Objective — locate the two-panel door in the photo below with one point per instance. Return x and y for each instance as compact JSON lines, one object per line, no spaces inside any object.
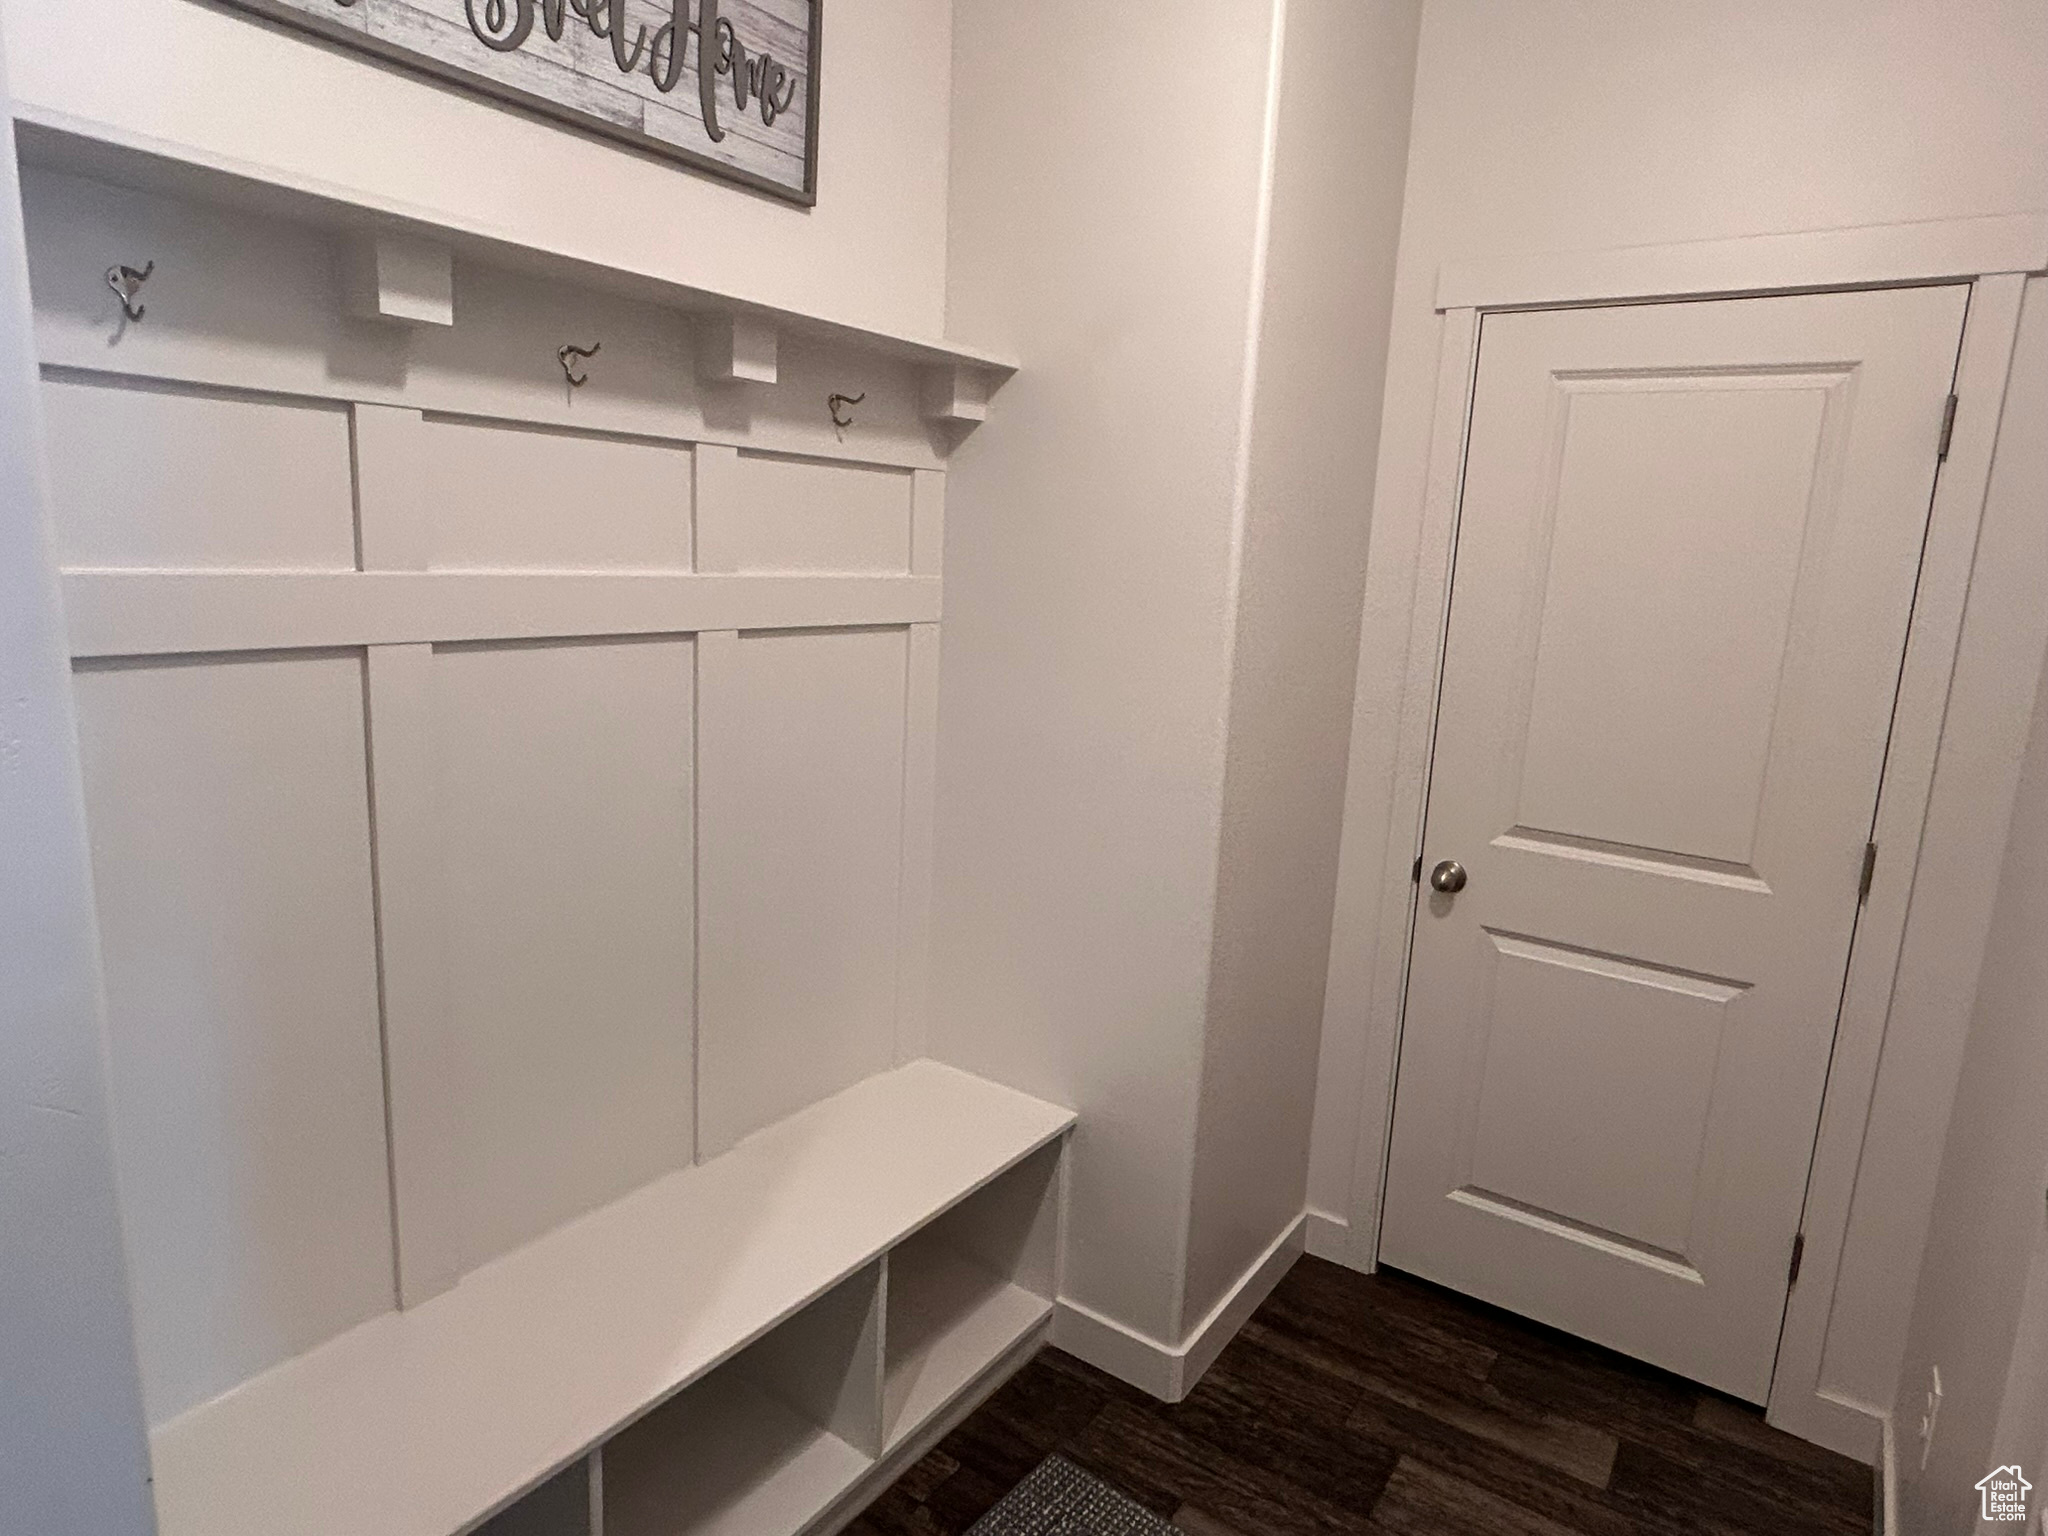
{"x":1688,"y":542}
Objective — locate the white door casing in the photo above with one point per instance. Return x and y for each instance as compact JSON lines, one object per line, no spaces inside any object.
{"x":1687,"y":549}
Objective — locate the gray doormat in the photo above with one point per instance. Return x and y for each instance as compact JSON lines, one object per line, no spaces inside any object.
{"x":1059,"y":1499}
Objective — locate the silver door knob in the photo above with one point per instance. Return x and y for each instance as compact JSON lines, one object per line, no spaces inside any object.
{"x":1448,"y":877}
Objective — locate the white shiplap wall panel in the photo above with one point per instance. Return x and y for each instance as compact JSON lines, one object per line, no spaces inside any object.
{"x":231,"y":857}
{"x":800,"y":827}
{"x":153,"y":477}
{"x":563,"y":774}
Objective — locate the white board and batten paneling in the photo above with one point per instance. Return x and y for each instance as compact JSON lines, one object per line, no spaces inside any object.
{"x":497,"y":496}
{"x":510,"y":811}
{"x":228,"y":809}
{"x":799,"y":868}
{"x":809,"y":515}
{"x":212,"y":463}
{"x":562,"y":793}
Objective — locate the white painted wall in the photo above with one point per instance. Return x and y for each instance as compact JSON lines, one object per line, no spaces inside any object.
{"x":1981,"y":1314}
{"x":1152,"y":570}
{"x":73,"y":1459}
{"x":1340,"y":158}
{"x":1577,"y":124}
{"x":1104,"y":222}
{"x":211,"y":83}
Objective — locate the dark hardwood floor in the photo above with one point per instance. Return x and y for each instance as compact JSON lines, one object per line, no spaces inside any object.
{"x":1379,"y":1404}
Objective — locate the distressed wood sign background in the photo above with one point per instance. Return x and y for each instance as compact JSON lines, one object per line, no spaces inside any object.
{"x":728,"y":86}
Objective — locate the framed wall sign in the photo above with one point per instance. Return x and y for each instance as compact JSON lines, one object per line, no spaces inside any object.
{"x":727,"y":86}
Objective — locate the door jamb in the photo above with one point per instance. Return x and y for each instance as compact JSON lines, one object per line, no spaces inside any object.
{"x":1974,"y":659}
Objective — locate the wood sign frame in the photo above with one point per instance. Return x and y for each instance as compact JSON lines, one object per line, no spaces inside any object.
{"x":633,"y":71}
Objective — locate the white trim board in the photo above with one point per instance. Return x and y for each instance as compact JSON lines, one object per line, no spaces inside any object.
{"x":1170,"y":1371}
{"x":1944,"y":811}
{"x":1974,"y":658}
{"x":167,"y":613}
{"x":1887,"y":1513}
{"x":1868,"y":256}
{"x":419,"y":1422}
{"x":1373,"y":913}
{"x":1329,"y":1237}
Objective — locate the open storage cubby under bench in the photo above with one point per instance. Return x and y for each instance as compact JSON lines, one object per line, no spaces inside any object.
{"x":966,"y":1290}
{"x":744,"y":1346}
{"x":767,"y":1441}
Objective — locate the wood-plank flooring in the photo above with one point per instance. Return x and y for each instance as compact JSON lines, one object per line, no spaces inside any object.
{"x":1380,"y":1404}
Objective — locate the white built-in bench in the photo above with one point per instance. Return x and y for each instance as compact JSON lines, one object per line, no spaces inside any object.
{"x":751,"y":1345}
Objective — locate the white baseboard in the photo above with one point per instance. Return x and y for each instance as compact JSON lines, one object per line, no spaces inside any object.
{"x":1887,"y":1521}
{"x":1206,"y":1340}
{"x":1329,"y":1237}
{"x":1109,"y":1346}
{"x":1842,"y":1424}
{"x":1169,"y":1372}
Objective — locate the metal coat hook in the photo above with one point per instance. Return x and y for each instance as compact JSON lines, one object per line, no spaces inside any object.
{"x":566,"y":356}
{"x":126,"y":283}
{"x":841,"y":408}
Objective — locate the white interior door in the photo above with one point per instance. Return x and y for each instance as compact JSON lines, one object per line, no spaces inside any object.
{"x":1686,"y":557}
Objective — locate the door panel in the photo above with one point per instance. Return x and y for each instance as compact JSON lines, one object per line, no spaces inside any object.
{"x":1688,"y":542}
{"x":1700,"y":594}
{"x":1621,"y":1057}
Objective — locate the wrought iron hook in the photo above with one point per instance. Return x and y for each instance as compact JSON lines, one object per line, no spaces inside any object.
{"x":840,"y":407}
{"x":566,"y":355}
{"x":126,"y":283}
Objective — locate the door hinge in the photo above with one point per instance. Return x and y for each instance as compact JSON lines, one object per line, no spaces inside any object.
{"x":1869,"y":873}
{"x":1948,"y":429}
{"x":1798,"y":1256}
{"x":1415,"y":874}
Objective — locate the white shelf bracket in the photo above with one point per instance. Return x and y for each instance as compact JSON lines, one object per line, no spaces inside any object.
{"x":734,"y":349}
{"x":400,"y":278}
{"x":955,"y":392}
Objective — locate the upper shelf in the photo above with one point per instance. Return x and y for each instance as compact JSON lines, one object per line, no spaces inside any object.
{"x":62,"y":142}
{"x":418,"y":1423}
